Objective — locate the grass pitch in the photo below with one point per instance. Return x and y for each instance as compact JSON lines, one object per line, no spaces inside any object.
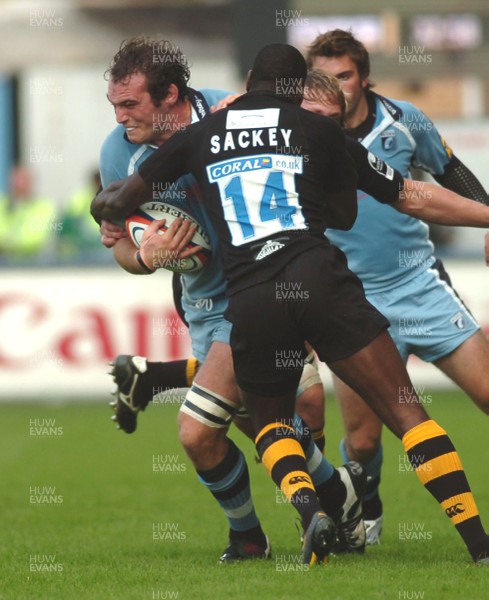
{"x":93,"y":513}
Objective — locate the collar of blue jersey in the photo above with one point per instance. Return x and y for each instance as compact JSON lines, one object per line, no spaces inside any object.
{"x":134,"y":144}
{"x":389,"y":113}
{"x":199,"y":104}
{"x":394,"y":110}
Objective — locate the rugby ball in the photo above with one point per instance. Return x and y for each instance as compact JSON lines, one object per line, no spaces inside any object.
{"x":155,"y":211}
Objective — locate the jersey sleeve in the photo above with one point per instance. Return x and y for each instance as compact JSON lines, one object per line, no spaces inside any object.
{"x":171,"y":160}
{"x":338,"y":179}
{"x":434,"y":155}
{"x":110,"y":161}
{"x":431,"y":152}
{"x":107,"y":172}
{"x":340,"y":161}
{"x":375,"y":176}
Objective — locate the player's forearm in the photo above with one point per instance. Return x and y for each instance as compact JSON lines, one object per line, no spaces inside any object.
{"x":125,"y":255}
{"x":120,"y":198}
{"x":460,"y":179}
{"x":441,"y":206}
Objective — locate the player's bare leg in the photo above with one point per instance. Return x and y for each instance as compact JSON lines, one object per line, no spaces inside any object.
{"x":205,"y":445}
{"x":310,"y":406}
{"x":468,"y":367}
{"x":378,"y":374}
{"x":363,"y":428}
{"x":310,"y":400}
{"x":204,"y":420}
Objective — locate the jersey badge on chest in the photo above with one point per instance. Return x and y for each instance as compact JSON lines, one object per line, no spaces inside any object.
{"x":388,"y":140}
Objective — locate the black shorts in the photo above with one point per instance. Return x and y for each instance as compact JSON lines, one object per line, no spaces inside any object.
{"x":314,"y":298}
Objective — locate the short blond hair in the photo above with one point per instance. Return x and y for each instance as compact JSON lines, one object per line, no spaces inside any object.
{"x":320,"y":86}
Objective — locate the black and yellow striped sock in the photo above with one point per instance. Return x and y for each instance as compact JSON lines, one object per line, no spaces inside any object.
{"x":440,"y":470}
{"x":191,"y":370}
{"x":285,"y":462}
{"x":164,"y":376}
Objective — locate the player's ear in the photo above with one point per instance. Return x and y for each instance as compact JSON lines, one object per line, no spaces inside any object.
{"x":171,"y":97}
{"x":248,"y":80}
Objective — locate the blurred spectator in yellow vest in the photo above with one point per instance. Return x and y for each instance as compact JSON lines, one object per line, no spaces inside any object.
{"x":81,"y":234}
{"x":28,"y":224}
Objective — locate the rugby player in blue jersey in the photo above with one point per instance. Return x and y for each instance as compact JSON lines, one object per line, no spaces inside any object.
{"x":148,"y":88}
{"x":394,"y":258}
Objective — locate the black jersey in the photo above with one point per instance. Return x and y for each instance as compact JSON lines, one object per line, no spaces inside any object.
{"x":273,"y":177}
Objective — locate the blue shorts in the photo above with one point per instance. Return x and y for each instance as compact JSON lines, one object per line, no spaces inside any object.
{"x":206,"y":323}
{"x":427,"y":317}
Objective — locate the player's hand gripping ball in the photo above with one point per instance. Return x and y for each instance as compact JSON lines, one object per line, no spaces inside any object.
{"x":137,"y":223}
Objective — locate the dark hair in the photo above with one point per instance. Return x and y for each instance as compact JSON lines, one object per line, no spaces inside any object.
{"x":339,"y":42}
{"x":282,"y":68}
{"x":159,"y":60}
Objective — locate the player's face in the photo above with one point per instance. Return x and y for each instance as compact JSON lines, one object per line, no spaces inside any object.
{"x":325,"y":105}
{"x":135,"y":110}
{"x":346,"y":71}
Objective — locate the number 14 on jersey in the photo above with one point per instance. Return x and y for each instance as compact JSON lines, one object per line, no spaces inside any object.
{"x":257,"y":200}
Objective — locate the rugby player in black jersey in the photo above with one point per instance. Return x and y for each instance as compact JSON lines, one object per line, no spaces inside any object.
{"x":274,"y":176}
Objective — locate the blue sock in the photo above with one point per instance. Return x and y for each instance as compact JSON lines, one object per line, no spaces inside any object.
{"x":320,"y":469}
{"x":344,"y":455}
{"x":229,"y":483}
{"x":330,"y":489}
{"x":372,"y":468}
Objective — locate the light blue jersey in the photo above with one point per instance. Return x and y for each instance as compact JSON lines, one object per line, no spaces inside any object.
{"x":391,"y":252}
{"x":386,"y":248}
{"x":204,"y":299}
